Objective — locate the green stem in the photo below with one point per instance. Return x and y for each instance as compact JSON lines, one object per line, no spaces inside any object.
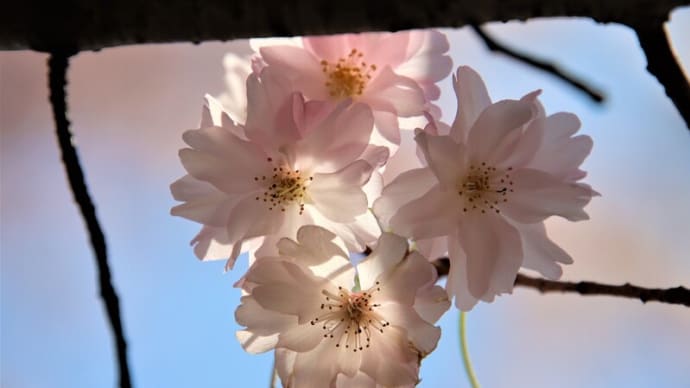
{"x":474,"y":383}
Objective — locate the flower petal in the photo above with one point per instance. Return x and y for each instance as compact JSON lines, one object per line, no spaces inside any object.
{"x":472,"y":98}
{"x":457,"y":284}
{"x":426,"y":63}
{"x":321,"y":251}
{"x":329,"y":47}
{"x":254,"y":343}
{"x":404,"y":188}
{"x":356,"y":235}
{"x":424,"y":335}
{"x":494,"y":124}
{"x":317,"y":368}
{"x":494,"y":253}
{"x":300,"y":65}
{"x":261,"y":321}
{"x":222,"y":159}
{"x":541,"y":254}
{"x":430,"y":215}
{"x":560,"y":153}
{"x":271,"y":101}
{"x":300,"y":338}
{"x":393,"y":93}
{"x":287,"y":288}
{"x":390,"y":361}
{"x":389,"y":252}
{"x":432,"y":248}
{"x":445,"y":157}
{"x":538,"y":195}
{"x":401,"y":283}
{"x":431,"y":303}
{"x":338,"y":140}
{"x":339,"y":195}
{"x":252,"y":218}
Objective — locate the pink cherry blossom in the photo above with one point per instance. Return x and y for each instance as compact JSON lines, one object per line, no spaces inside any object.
{"x":394,"y":73}
{"x":490,"y":183}
{"x":289,"y":165}
{"x":234,"y":97}
{"x":325,"y":328}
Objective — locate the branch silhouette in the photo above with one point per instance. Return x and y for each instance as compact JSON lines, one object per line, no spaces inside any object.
{"x":663,"y":64}
{"x":676,"y":295}
{"x":540,"y":64}
{"x":58,"y":64}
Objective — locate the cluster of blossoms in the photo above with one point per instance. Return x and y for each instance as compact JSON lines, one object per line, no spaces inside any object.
{"x":309,"y":164}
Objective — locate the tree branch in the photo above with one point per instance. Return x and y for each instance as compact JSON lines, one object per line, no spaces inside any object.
{"x":548,"y":67}
{"x":662,"y":64}
{"x":58,"y":64}
{"x":676,"y":295}
{"x":89,"y":25}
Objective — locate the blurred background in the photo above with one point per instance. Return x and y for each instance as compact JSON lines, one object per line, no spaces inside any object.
{"x":129,"y":106}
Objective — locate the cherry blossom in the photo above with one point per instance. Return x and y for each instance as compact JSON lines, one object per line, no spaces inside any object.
{"x":394,"y":73}
{"x":234,"y":97}
{"x":326,"y":328}
{"x":287,"y":166}
{"x":502,"y":169}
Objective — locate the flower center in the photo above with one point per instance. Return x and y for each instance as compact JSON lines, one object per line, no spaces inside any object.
{"x":284,"y":188}
{"x":350,"y":317}
{"x":348,"y":76}
{"x":484,"y":188}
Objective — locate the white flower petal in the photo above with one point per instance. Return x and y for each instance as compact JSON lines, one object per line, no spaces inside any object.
{"x":321,"y":251}
{"x":300,"y":338}
{"x":423,"y":334}
{"x":252,"y":218}
{"x":472,"y":98}
{"x":389,"y":252}
{"x":295,"y":293}
{"x":457,"y":284}
{"x":390,"y":361}
{"x":430,"y":215}
{"x":538,"y":195}
{"x":339,"y":195}
{"x":446,"y":158}
{"x":432,"y":248}
{"x":259,"y":320}
{"x":494,"y":253}
{"x":254,"y":343}
{"x":494,"y":124}
{"x":431,"y":303}
{"x":541,"y":254}
{"x":407,"y":186}
{"x":401,"y":283}
{"x":325,"y":146}
{"x":317,"y":368}
{"x":392,"y":93}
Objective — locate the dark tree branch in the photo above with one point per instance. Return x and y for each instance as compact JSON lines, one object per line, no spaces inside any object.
{"x":58,"y":64}
{"x":677,"y":295}
{"x":92,"y":25}
{"x":548,"y":67}
{"x":663,"y":64}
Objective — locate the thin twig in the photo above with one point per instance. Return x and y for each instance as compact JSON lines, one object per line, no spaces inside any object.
{"x":663,"y":64}
{"x":58,"y":64}
{"x":550,"y":68}
{"x":676,"y":295}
